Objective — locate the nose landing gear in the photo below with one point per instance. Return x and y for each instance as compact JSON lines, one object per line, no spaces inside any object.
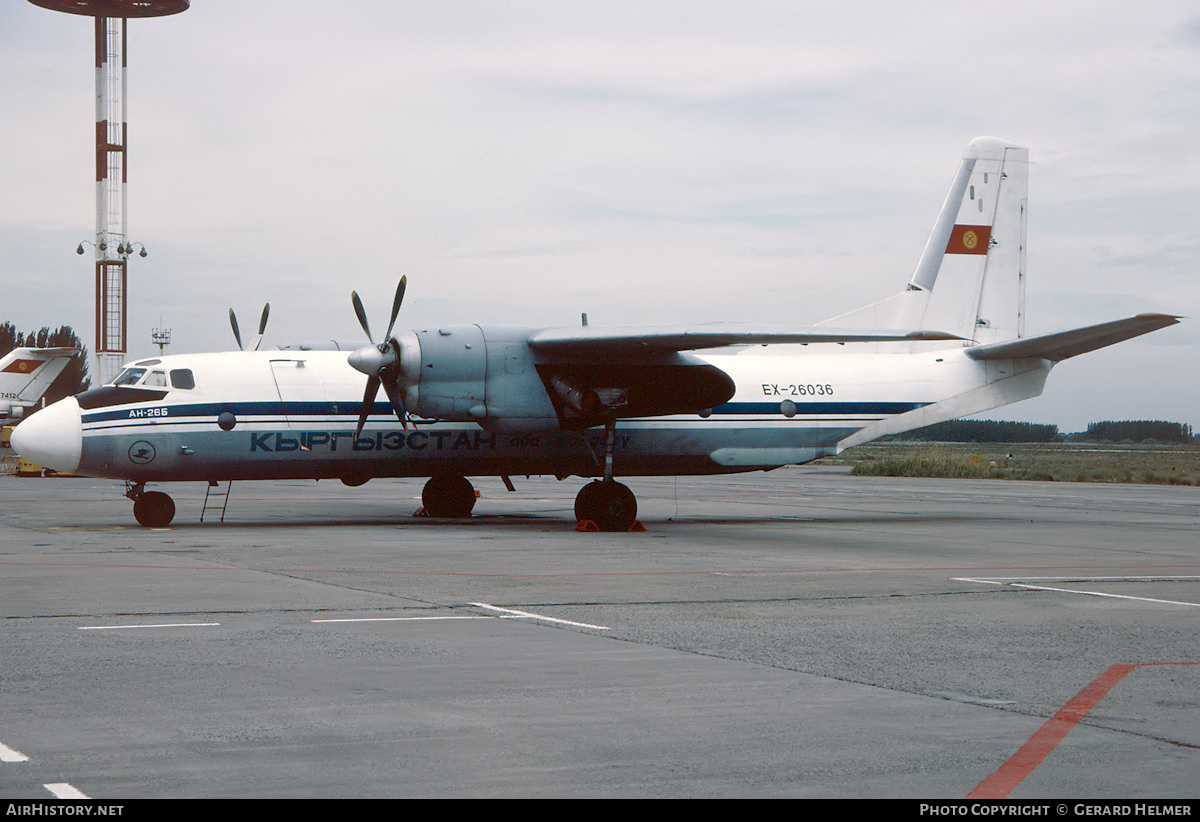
{"x":152,"y":509}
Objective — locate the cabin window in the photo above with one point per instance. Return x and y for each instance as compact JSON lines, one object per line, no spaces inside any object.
{"x":129,"y":376}
{"x":182,"y":378}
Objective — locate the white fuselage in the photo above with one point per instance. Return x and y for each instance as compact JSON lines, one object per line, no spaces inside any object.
{"x":281,"y":414}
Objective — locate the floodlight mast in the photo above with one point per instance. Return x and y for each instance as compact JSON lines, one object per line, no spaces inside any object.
{"x":112,"y":242}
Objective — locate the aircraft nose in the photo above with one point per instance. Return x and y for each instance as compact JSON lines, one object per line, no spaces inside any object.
{"x":52,"y":437}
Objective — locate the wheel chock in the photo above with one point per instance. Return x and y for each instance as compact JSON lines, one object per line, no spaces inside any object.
{"x":421,"y":512}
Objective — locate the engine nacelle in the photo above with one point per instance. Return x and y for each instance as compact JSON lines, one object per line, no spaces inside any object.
{"x":468,"y":373}
{"x":444,"y":372}
{"x":491,"y":376}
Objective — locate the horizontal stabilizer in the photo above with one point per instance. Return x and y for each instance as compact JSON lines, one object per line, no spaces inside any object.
{"x":595,"y":340}
{"x":41,"y":353}
{"x":1064,"y":344}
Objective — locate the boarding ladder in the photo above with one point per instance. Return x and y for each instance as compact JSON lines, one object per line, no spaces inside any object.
{"x":215,"y":499}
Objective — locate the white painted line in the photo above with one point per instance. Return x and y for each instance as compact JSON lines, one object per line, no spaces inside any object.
{"x":402,"y":619}
{"x":1008,"y":581}
{"x":7,"y":754}
{"x":1100,"y":594}
{"x":63,"y":790}
{"x":526,"y":615}
{"x":1155,"y":578}
{"x":163,"y":625}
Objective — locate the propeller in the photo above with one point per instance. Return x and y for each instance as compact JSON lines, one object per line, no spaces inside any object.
{"x":262,"y":326}
{"x":381,"y":363}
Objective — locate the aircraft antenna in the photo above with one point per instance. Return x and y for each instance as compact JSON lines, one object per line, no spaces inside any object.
{"x":112,"y":245}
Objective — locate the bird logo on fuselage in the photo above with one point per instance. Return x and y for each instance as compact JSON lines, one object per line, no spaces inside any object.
{"x":141,"y":453}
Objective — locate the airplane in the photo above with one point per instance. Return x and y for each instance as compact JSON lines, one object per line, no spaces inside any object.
{"x":25,"y":376}
{"x":587,"y":401}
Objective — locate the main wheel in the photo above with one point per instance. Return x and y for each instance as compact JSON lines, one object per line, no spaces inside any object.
{"x":587,"y":501}
{"x":154,"y":509}
{"x":448,"y":497}
{"x":611,"y":505}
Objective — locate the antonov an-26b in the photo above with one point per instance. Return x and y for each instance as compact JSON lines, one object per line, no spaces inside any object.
{"x":478,"y":400}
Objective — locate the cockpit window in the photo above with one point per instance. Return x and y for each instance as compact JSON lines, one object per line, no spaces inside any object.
{"x":182,"y":378}
{"x":157,"y":379}
{"x":129,"y":376}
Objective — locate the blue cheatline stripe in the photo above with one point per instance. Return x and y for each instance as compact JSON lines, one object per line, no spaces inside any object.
{"x":239,"y":409}
{"x":179,"y":413}
{"x":856,"y":408}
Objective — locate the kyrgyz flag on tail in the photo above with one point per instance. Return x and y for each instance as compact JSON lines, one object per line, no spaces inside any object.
{"x":22,"y":366}
{"x":969,"y":239}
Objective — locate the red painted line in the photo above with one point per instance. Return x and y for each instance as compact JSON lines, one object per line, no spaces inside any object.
{"x":1035,"y":750}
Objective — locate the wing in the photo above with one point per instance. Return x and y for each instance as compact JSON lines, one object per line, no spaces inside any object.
{"x":593,"y":374}
{"x":600,"y":341}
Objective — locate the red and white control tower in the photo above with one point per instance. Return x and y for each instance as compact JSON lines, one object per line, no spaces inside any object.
{"x":113,"y":246}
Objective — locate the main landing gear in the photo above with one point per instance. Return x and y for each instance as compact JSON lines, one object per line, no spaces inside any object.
{"x":607,"y":503}
{"x":152,"y":509}
{"x":610,"y":505}
{"x":448,"y":496}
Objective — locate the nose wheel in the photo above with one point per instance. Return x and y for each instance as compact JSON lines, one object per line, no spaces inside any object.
{"x":153,"y":509}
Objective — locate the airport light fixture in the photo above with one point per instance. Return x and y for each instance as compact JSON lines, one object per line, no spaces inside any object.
{"x":123,"y":249}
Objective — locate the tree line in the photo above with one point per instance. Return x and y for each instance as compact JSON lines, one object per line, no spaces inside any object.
{"x":74,"y":377}
{"x":982,"y":431}
{"x":1015,"y":432}
{"x":1138,"y":431}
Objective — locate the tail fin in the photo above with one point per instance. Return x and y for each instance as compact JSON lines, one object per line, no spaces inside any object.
{"x":970,"y":280}
{"x":26,"y":373}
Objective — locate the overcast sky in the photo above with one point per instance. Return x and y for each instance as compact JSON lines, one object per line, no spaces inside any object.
{"x":675,"y":162}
